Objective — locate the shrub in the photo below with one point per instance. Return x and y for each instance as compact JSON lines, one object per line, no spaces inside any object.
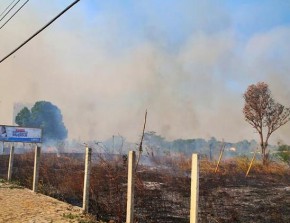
{"x":283,"y":154}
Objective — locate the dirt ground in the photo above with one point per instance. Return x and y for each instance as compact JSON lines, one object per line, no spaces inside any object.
{"x":20,"y":205}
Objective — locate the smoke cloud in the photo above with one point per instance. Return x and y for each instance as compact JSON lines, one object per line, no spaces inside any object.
{"x":104,"y":64}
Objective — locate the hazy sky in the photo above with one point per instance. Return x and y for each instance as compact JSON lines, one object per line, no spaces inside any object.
{"x":188,"y":62}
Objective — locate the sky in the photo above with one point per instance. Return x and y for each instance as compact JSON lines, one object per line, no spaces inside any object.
{"x":188,"y":62}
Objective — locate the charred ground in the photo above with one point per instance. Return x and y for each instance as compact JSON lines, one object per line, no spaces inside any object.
{"x":163,"y":189}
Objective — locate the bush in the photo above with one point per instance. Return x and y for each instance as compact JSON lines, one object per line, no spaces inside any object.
{"x":283,"y":154}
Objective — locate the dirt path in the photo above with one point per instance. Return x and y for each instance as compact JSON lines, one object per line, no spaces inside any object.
{"x":22,"y":205}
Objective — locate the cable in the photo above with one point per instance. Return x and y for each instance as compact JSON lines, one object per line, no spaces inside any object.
{"x":14,"y":14}
{"x":9,"y":10}
{"x":39,"y":31}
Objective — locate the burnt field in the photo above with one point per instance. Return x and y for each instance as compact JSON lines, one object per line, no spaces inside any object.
{"x":162,"y":192}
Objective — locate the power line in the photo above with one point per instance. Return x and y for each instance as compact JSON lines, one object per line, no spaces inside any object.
{"x":39,"y":31}
{"x":14,"y":13}
{"x":9,"y":10}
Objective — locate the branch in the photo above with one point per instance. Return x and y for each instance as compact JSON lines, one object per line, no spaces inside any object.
{"x":141,"y":142}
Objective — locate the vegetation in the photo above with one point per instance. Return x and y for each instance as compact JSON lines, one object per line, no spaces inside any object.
{"x":264,"y":114}
{"x":79,"y":218}
{"x":284,"y":154}
{"x":157,"y":145}
{"x":44,"y":115}
{"x":162,"y":189}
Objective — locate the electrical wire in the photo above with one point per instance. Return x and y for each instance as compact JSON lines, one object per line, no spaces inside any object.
{"x":14,"y":13}
{"x":9,"y":10}
{"x":39,"y":31}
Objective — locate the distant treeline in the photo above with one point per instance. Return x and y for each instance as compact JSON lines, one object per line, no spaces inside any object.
{"x":157,"y":145}
{"x":153,"y":145}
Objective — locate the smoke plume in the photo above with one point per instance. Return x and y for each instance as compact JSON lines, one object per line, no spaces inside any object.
{"x":103,"y":65}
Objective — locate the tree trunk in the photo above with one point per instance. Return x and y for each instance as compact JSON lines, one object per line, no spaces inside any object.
{"x":210,"y":152}
{"x":264,"y":146}
{"x":265,"y":156}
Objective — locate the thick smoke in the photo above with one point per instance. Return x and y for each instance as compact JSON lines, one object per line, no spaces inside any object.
{"x":103,"y":69}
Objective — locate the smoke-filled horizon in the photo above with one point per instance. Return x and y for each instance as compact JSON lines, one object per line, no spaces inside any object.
{"x":187,"y":62}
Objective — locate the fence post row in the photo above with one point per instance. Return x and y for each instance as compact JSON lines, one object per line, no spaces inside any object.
{"x":87,"y":179}
{"x":130,"y":190}
{"x":131,"y":182}
{"x":194,"y":189}
{"x":10,"y":167}
{"x":36,"y":168}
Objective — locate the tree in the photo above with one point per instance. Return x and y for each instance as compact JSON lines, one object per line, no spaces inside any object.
{"x":212,"y":143}
{"x":44,"y":115}
{"x":263,"y":113}
{"x":154,"y":143}
{"x":23,"y":118}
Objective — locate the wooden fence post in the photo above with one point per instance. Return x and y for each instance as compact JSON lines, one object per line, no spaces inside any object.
{"x":87,"y":180}
{"x":252,"y":161}
{"x":194,"y":189}
{"x":36,"y":168}
{"x":130,"y":189}
{"x":11,"y":159}
{"x":220,"y":158}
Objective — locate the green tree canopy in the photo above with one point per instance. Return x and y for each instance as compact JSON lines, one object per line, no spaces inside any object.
{"x":23,"y":118}
{"x":44,"y":115}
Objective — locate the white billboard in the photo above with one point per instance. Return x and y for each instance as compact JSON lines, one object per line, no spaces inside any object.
{"x":20,"y":134}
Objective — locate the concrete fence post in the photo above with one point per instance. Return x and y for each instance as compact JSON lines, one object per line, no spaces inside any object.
{"x":87,"y":180}
{"x":11,"y":159}
{"x":130,"y":190}
{"x":194,"y":189}
{"x":2,"y":150}
{"x":36,"y":168}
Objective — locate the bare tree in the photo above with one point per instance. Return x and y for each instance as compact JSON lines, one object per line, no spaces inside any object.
{"x":263,"y":113}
